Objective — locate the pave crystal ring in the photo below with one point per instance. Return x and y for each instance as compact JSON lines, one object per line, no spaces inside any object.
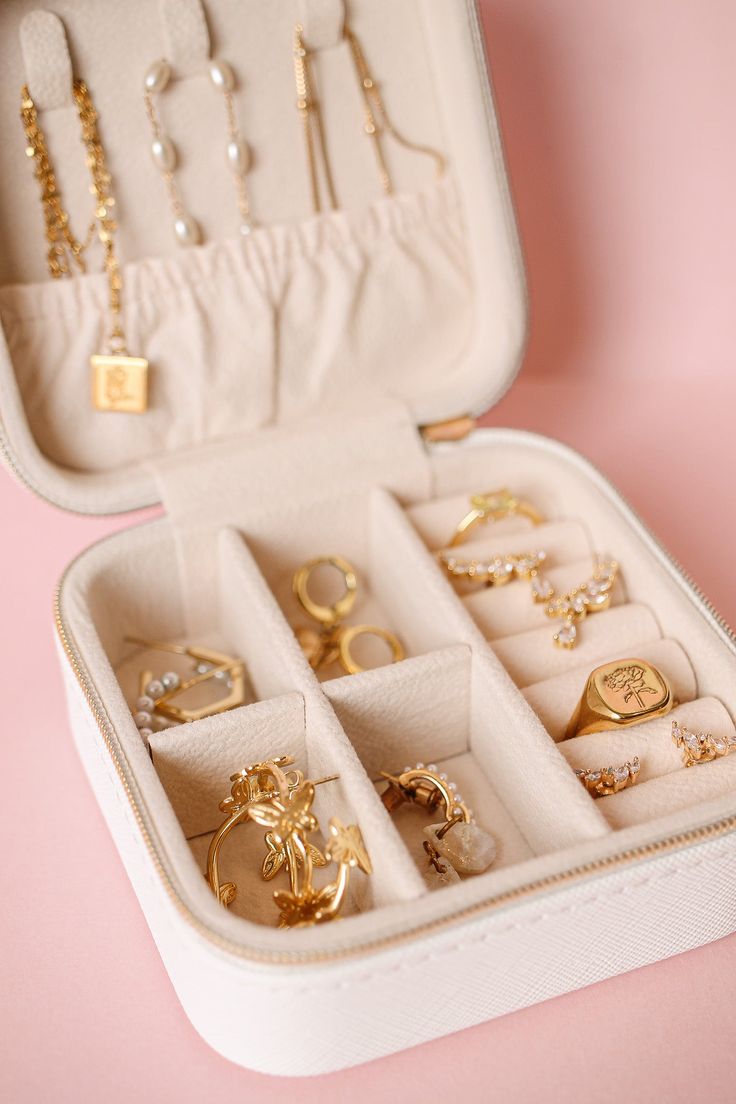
{"x":457,"y":845}
{"x":701,"y":747}
{"x":618,"y":694}
{"x":498,"y":570}
{"x":609,"y":780}
{"x":492,"y":507}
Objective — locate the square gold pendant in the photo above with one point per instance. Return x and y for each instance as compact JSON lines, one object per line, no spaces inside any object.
{"x":119,"y":383}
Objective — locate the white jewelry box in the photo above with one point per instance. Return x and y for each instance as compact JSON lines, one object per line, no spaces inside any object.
{"x":349,"y":330}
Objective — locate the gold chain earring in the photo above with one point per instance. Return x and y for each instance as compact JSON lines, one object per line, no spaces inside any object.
{"x":164,"y":153}
{"x":376,"y":122}
{"x":119,"y":381}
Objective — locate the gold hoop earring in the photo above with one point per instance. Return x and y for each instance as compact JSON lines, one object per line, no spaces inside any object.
{"x":282,"y":802}
{"x":332,"y":641}
{"x":158,"y":696}
{"x":455,"y":846}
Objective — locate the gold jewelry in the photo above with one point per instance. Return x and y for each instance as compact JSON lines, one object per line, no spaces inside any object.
{"x":281,"y":802}
{"x":592,"y":596}
{"x":164,"y":153}
{"x":619,"y":694}
{"x":119,"y":381}
{"x":609,"y":780}
{"x":159,"y":695}
{"x":492,"y":507}
{"x":701,"y":747}
{"x":333,"y":642}
{"x":64,"y":249}
{"x":466,"y":848}
{"x":376,"y":123}
{"x":499,"y":570}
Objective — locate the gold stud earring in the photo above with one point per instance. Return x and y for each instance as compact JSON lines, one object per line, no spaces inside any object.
{"x":160,"y":697}
{"x":456,"y":845}
{"x":332,"y":641}
{"x":701,"y":747}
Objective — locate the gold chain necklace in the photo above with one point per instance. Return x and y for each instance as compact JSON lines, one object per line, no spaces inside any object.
{"x":376,"y":122}
{"x":119,"y":381}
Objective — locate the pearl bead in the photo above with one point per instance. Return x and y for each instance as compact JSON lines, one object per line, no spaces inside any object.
{"x":142,"y":719}
{"x":202,"y":668}
{"x":163,"y":154}
{"x":238,"y":156}
{"x":222,"y":75}
{"x":146,"y":732}
{"x":157,"y":76}
{"x":186,"y":230}
{"x":155,"y":689}
{"x":146,"y":703}
{"x":170,"y":680}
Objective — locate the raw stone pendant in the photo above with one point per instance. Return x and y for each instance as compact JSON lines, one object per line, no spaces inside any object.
{"x":470,"y":849}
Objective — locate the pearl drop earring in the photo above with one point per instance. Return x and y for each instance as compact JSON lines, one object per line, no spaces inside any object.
{"x":163,"y":151}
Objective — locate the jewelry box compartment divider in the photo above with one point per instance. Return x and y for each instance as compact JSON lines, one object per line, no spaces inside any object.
{"x":194,"y":761}
{"x":649,"y":618}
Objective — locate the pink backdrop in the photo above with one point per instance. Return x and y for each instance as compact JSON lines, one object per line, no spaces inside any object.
{"x":619,"y":128}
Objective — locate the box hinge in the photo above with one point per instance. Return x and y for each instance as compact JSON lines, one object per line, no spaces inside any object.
{"x":454,"y":429}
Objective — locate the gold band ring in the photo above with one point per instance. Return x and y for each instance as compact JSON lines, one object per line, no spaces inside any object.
{"x":492,"y":507}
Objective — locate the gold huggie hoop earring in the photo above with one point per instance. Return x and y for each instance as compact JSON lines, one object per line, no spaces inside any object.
{"x":376,"y":122}
{"x":266,"y":794}
{"x":158,"y":695}
{"x":164,"y":154}
{"x":455,"y":846}
{"x":332,"y":642}
{"x":119,"y":380}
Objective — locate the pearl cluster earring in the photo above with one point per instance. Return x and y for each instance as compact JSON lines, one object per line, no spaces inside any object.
{"x":163,"y":151}
{"x":161,"y":698}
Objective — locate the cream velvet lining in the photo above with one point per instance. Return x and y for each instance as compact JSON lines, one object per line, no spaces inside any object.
{"x":490,"y":710}
{"x":419,"y":295}
{"x":249,"y":331}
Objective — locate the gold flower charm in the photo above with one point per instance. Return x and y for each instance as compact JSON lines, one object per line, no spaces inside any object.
{"x":287,"y":818}
{"x":282,"y":804}
{"x":312,"y":906}
{"x":345,"y":846}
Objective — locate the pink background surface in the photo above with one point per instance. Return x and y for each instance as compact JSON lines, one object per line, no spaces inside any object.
{"x":619,"y":132}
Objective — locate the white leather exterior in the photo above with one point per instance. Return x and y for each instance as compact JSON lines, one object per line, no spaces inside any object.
{"x":353,"y":1010}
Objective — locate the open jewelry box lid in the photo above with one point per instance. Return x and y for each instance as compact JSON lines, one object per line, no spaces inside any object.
{"x":416,"y":298}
